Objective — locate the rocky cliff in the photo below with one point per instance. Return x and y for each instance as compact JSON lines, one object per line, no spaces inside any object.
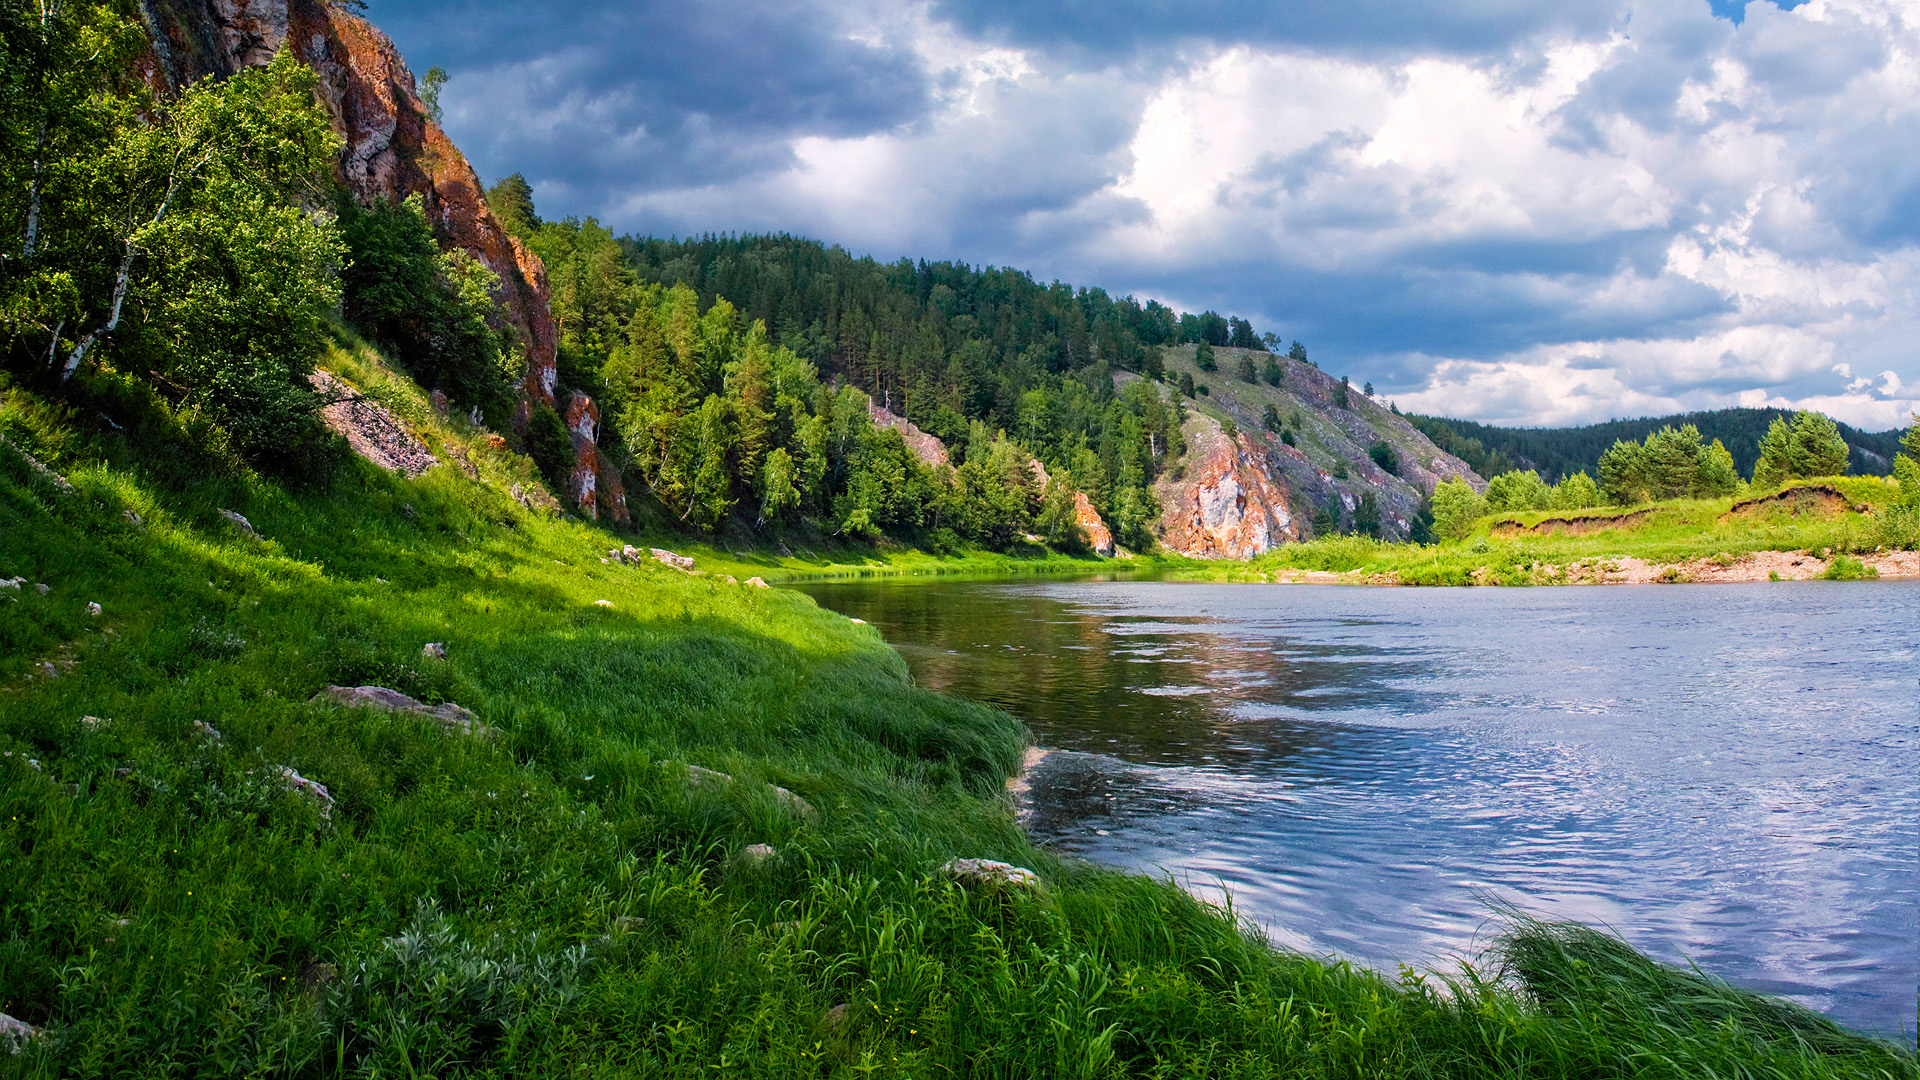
{"x":1224,"y":504}
{"x":391,"y":149}
{"x":1319,"y":457}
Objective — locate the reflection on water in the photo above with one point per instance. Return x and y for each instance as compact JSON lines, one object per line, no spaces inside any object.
{"x":1717,"y":772}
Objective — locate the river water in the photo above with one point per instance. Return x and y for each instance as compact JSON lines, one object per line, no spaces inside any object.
{"x":1721,"y":773}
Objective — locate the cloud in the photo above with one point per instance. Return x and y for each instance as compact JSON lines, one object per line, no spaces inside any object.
{"x":1495,"y":209}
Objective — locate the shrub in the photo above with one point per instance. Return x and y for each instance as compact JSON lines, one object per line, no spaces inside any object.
{"x":1847,"y":568}
{"x":1383,"y":456}
{"x":550,"y":447}
{"x":1517,"y":490}
{"x":430,"y":311}
{"x":1456,"y":506}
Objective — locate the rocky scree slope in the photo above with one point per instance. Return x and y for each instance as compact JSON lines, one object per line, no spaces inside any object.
{"x":391,"y":149}
{"x":1238,"y":500}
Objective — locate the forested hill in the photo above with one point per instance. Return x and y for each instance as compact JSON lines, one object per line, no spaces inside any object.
{"x":972,"y":356}
{"x":1556,"y":453}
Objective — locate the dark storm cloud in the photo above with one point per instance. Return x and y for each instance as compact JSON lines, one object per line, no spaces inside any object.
{"x":598,"y":98}
{"x":1099,"y":30}
{"x":1529,"y":229}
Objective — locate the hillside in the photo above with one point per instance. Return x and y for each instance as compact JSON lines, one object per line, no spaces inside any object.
{"x":1556,"y":453}
{"x":631,"y":818}
{"x":1324,"y":455}
{"x":332,"y":744}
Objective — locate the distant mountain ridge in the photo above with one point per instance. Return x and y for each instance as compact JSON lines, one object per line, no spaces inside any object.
{"x":1556,"y":453}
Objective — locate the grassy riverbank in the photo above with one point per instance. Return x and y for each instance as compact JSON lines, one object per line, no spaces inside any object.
{"x":1844,"y":534}
{"x":560,"y":896}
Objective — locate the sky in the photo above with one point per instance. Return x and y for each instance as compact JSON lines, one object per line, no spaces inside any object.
{"x":1525,"y":212}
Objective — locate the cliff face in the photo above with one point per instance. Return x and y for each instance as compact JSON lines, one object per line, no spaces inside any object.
{"x":927,"y":448}
{"x":391,"y":148}
{"x":1226,"y":506}
{"x":1325,"y":461}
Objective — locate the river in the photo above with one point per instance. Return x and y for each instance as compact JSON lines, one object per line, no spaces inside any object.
{"x":1724,"y":774}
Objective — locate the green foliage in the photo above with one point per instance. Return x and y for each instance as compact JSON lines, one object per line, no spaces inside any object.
{"x":1246,"y":370}
{"x":1286,"y":436}
{"x":1186,"y":385}
{"x":511,"y":200}
{"x":1270,"y":418}
{"x":1809,"y":446}
{"x":1670,"y":464}
{"x":1456,"y":506}
{"x":1517,"y":490}
{"x":1478,"y":456}
{"x":549,"y":445}
{"x":1560,"y":452}
{"x":779,"y":332}
{"x":1844,"y":567}
{"x":430,"y":86}
{"x":1576,"y":492}
{"x":1343,"y":394}
{"x":170,"y":239}
{"x":1366,"y":516}
{"x":1298,"y":354}
{"x":1383,"y":456}
{"x":1273,"y":373}
{"x":431,"y":311}
{"x":1323,"y":523}
{"x":1906,"y":466}
{"x":1229,"y":429}
{"x":1203,"y":357}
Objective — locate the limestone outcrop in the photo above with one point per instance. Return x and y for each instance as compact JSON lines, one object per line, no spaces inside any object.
{"x":1226,"y":506}
{"x":927,"y":448}
{"x":1098,"y":535}
{"x":391,"y":148}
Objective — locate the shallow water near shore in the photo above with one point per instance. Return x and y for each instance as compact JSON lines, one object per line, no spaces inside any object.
{"x":1721,"y":774}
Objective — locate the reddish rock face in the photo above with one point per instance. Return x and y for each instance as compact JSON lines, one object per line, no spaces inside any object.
{"x":1227,"y":507}
{"x":391,"y":148}
{"x":1097,"y":532}
{"x":583,"y":425}
{"x":926,"y":447}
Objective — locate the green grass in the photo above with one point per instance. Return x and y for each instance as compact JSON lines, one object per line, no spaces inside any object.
{"x":1665,"y":533}
{"x":558,"y":899}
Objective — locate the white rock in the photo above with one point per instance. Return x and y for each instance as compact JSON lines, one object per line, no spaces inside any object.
{"x":13,"y":583}
{"x":93,"y":609}
{"x":312,"y":789}
{"x":991,"y":874}
{"x":15,"y":1034}
{"x":755,"y":854}
{"x":207,"y":731}
{"x":603,"y":603}
{"x":451,"y":716}
{"x":240,"y":522}
{"x":758,"y":583}
{"x":435,"y":649}
{"x":42,"y":588}
{"x":673,"y":559}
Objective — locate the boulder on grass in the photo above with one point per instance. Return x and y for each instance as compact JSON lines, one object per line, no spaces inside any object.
{"x":15,"y":1034}
{"x":988,"y":874}
{"x":451,"y":716}
{"x":673,"y":559}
